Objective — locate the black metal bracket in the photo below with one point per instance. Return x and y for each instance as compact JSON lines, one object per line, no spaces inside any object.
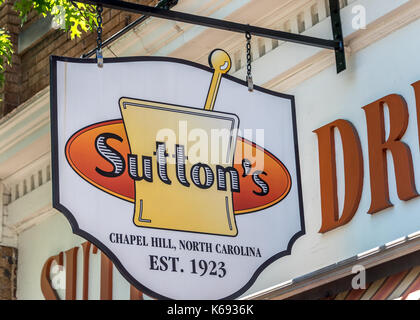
{"x":340,"y":55}
{"x":164,"y":4}
{"x":337,"y":44}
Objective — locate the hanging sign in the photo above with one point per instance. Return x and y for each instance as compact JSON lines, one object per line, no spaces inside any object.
{"x":188,"y":182}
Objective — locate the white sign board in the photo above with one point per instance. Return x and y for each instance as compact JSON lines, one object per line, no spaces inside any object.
{"x":188,"y":202}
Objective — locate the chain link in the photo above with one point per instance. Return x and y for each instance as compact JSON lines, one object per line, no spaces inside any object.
{"x":99,"y":10}
{"x":248,"y":62}
{"x":99,"y":57}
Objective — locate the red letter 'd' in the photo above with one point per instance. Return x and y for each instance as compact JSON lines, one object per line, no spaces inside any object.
{"x":401,"y":155}
{"x":353,"y":173}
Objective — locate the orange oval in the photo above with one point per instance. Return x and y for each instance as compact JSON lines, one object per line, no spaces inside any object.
{"x":83,"y":158}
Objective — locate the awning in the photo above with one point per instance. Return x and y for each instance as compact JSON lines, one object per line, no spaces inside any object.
{"x":404,"y":285}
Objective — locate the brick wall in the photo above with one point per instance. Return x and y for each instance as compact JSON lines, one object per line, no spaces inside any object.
{"x":9,"y":94}
{"x":8,"y":265}
{"x":29,"y":73}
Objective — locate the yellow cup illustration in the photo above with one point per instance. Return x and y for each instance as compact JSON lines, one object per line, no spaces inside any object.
{"x":185,"y":194}
{"x":187,"y":198}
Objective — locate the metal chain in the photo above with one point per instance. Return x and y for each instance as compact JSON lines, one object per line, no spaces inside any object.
{"x":99,"y":56}
{"x":248,"y":62}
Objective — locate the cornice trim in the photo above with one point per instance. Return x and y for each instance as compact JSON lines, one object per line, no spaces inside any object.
{"x":357,"y":41}
{"x":368,"y":259}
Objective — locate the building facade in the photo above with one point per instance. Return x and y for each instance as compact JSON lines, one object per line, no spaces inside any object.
{"x":361,"y":205}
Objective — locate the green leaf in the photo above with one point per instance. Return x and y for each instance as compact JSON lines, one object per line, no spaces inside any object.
{"x":6,"y":51}
{"x":76,"y":16}
{"x":71,"y":18}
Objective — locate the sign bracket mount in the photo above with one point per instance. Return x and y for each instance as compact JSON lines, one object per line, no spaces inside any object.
{"x":337,"y":44}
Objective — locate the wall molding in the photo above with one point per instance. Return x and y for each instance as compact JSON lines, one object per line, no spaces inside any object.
{"x":354,"y":43}
{"x":369,"y":259}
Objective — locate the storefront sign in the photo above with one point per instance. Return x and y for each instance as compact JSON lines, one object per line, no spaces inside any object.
{"x":380,"y":142}
{"x":181,"y":176}
{"x":57,"y":275}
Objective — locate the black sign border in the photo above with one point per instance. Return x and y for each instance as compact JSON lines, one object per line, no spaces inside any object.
{"x":74,"y":225}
